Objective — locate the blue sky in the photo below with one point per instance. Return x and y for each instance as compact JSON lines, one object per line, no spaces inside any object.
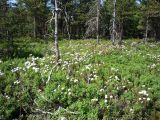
{"x":13,"y":1}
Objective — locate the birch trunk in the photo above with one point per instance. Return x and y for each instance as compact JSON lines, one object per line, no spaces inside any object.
{"x":98,"y":14}
{"x":146,"y":31}
{"x":56,"y":33}
{"x":113,"y":24}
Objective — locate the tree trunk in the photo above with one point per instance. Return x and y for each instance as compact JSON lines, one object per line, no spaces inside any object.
{"x":61,"y":25}
{"x":66,"y":17}
{"x":56,"y":33}
{"x":113,"y":24}
{"x":146,"y":32}
{"x":98,"y":13}
{"x":34,"y":27}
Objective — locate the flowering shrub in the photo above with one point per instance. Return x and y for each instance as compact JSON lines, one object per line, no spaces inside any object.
{"x":91,"y":82}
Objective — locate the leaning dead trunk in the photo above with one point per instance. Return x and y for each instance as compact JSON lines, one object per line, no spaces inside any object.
{"x":66,"y":17}
{"x":113,"y":24}
{"x":56,"y":33}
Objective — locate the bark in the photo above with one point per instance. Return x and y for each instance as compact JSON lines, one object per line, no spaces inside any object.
{"x":66,"y":17}
{"x":34,"y":27}
{"x":146,"y":31}
{"x":98,"y":14}
{"x":113,"y":24}
{"x":56,"y":33}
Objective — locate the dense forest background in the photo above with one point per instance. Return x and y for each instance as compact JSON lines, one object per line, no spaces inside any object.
{"x":76,"y":18}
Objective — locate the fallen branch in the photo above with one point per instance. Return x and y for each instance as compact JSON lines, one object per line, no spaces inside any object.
{"x":44,"y":112}
{"x":50,"y":73}
{"x":60,"y":109}
{"x":75,"y":113}
{"x":70,"y":112}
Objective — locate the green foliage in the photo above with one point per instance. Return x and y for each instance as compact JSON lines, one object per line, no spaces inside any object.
{"x":91,"y":82}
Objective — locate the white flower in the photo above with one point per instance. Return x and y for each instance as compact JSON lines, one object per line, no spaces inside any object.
{"x":88,"y":66}
{"x":111,"y":96}
{"x":116,"y":78}
{"x":0,"y":61}
{"x":62,"y":88}
{"x":153,"y":66}
{"x":110,"y":77}
{"x":105,"y":101}
{"x":39,"y":90}
{"x":69,"y":93}
{"x":75,"y":81}
{"x":126,"y":91}
{"x":148,"y":99}
{"x":95,"y":76}
{"x":92,"y":79}
{"x":35,"y":69}
{"x":101,"y":90}
{"x":94,"y":100}
{"x":139,"y":98}
{"x":69,"y":89}
{"x":106,"y":96}
{"x":16,"y":69}
{"x":1,"y":73}
{"x":17,"y":82}
{"x":7,"y":97}
{"x":67,"y":78}
{"x":131,"y":110}
{"x":27,"y":64}
{"x":143,"y":86}
{"x":143,"y":92}
{"x":114,"y":69}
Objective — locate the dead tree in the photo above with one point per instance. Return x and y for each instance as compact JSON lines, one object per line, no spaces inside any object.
{"x":91,"y":26}
{"x":114,"y":23}
{"x":98,"y":14}
{"x":67,"y":19}
{"x":146,"y":31}
{"x":93,"y":22}
{"x":56,"y":11}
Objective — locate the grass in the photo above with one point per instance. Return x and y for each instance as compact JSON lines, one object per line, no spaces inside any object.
{"x":92,"y":81}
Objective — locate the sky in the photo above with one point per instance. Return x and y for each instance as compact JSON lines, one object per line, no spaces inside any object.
{"x":13,"y":1}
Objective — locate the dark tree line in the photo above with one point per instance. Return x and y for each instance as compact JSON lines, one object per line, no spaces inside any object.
{"x":118,"y":19}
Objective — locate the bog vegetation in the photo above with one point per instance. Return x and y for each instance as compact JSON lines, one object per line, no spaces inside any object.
{"x":90,"y":82}
{"x":79,"y":60}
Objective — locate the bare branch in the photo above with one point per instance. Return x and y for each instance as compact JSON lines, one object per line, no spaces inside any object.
{"x":44,"y":112}
{"x":50,"y":73}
